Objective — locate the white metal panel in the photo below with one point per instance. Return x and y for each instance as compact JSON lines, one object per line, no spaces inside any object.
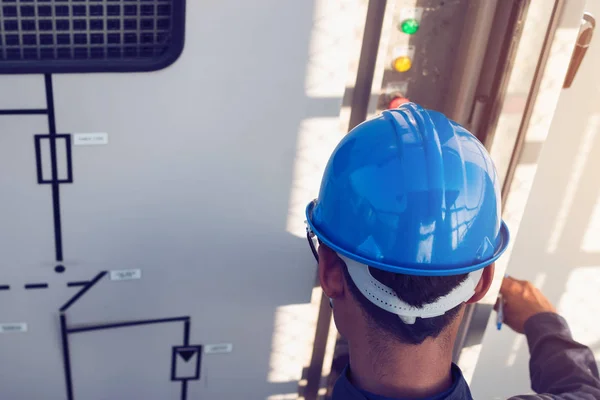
{"x":205,"y":165}
{"x":21,"y":91}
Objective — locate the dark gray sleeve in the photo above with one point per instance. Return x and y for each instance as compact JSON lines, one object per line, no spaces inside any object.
{"x":560,"y":368}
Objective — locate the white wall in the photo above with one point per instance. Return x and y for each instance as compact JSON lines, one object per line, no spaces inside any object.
{"x":202,"y":186}
{"x":558,"y":244}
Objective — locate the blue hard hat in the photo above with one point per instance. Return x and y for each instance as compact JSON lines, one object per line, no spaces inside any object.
{"x":411,"y":192}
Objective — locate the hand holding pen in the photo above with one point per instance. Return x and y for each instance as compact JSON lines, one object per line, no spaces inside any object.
{"x":499,"y":312}
{"x":518,"y":301}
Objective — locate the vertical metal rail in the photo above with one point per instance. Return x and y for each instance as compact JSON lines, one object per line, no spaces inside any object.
{"x":367,"y":61}
{"x":557,"y":12}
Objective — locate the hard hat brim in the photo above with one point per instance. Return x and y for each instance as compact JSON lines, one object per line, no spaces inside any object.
{"x":408,"y":268}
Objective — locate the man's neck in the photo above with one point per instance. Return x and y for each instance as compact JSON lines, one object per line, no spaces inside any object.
{"x":398,"y":371}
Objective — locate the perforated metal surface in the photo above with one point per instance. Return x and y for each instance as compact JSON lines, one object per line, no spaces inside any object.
{"x":89,"y":35}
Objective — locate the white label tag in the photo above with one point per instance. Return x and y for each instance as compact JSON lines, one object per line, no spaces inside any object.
{"x":90,"y":139}
{"x":13,"y":327}
{"x":125,"y":274}
{"x":414,"y":12}
{"x":408,"y":51}
{"x":218,"y":348}
{"x":396,"y":88}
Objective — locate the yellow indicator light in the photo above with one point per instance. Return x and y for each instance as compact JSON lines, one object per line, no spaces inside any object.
{"x":402,"y":64}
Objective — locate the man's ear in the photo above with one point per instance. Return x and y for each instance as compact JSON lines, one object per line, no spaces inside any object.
{"x":331,"y":274}
{"x":484,"y":284}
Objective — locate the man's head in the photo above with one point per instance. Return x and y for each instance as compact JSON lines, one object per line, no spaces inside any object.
{"x":408,"y":215}
{"x":352,"y":308}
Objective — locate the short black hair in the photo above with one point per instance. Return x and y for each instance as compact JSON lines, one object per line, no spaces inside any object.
{"x":414,"y":290}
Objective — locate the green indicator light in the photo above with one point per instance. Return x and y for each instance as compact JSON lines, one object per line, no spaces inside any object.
{"x":409,"y":26}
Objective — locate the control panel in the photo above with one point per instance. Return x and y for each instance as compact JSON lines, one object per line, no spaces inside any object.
{"x":423,"y":41}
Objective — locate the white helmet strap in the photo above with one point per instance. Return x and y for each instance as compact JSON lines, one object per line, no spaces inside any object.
{"x":386,"y":298}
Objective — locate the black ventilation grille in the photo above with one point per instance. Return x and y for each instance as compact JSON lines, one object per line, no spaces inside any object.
{"x":43,"y":36}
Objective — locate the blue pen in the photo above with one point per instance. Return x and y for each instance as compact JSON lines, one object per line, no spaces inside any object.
{"x":500,"y":314}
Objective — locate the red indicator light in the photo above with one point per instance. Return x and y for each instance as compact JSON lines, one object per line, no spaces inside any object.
{"x":397,"y":102}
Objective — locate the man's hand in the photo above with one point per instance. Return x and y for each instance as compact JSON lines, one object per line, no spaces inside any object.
{"x":522,"y":301}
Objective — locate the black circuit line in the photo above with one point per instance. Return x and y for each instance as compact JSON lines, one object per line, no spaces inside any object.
{"x":77,"y":283}
{"x":4,"y":287}
{"x":186,"y":333}
{"x":173,"y":364}
{"x":66,"y":356}
{"x":186,"y":342}
{"x":50,"y":103}
{"x":69,"y":158}
{"x":82,"y":291}
{"x":184,"y":387}
{"x":32,"y":111}
{"x":126,"y":324}
{"x":36,"y":286}
{"x":55,"y":183}
{"x":198,"y":360}
{"x":38,"y":158}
